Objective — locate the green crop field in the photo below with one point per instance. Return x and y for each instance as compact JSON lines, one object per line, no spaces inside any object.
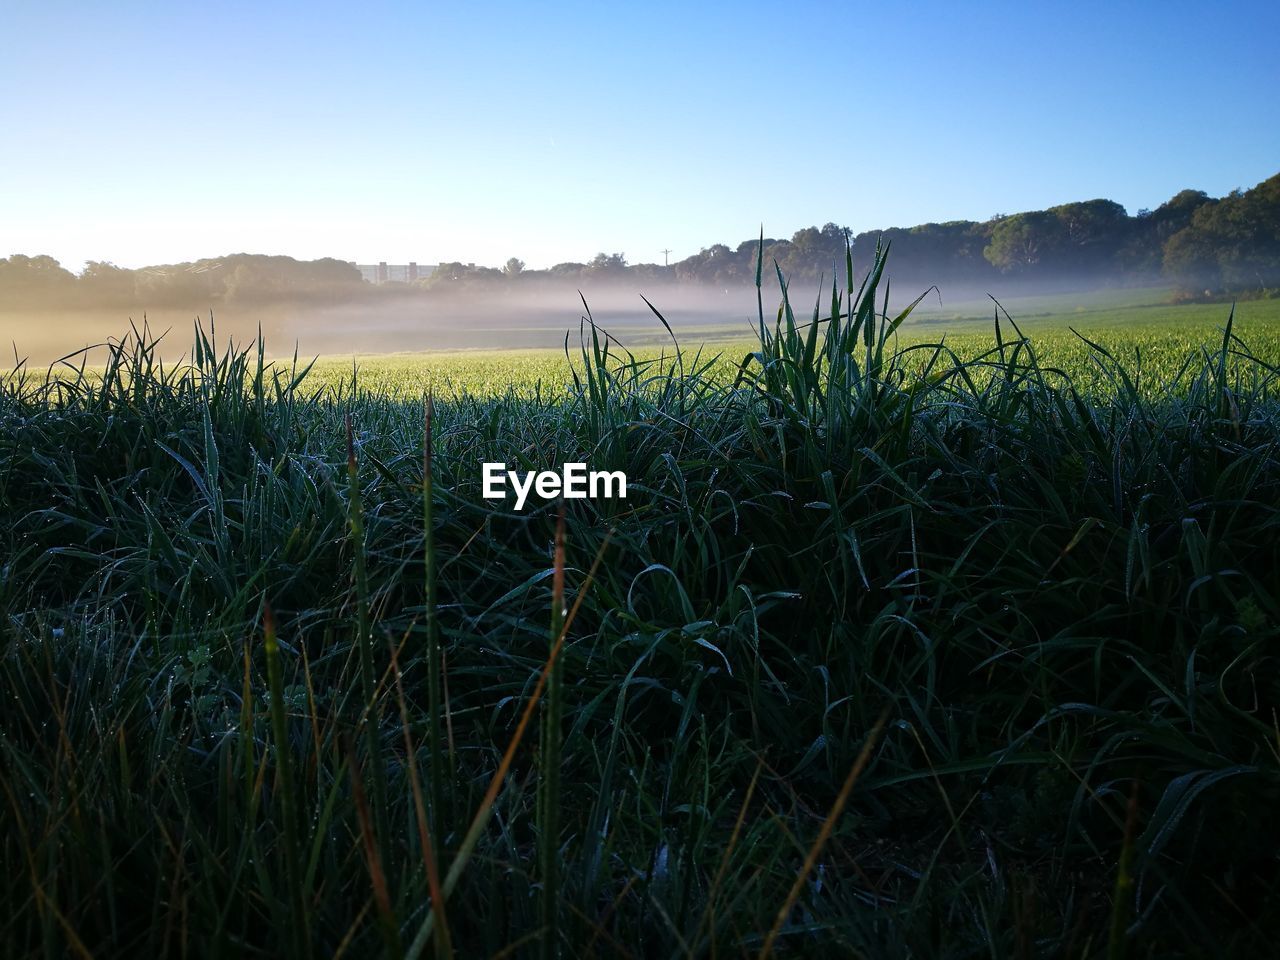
{"x":1163,"y":334}
{"x":899,"y":645}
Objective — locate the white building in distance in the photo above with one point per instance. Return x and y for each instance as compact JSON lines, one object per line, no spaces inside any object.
{"x":395,"y":272}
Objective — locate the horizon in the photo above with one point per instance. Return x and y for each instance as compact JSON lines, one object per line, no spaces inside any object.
{"x":441,"y":135}
{"x":429,"y":264}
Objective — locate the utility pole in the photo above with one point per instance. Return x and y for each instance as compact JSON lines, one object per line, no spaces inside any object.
{"x":666,"y":261}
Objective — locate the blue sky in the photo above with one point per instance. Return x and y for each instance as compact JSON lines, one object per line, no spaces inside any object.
{"x":158,"y":132}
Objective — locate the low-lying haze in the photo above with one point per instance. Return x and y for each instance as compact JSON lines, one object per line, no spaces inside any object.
{"x":480,"y":320}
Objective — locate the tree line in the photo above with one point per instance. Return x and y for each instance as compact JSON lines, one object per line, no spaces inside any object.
{"x":1206,"y":247}
{"x":1203,"y":246}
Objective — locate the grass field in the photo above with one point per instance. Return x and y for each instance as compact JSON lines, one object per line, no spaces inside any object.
{"x":1119,"y":320}
{"x":891,"y":650}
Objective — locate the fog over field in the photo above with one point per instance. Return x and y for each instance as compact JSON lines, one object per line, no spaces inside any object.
{"x":1063,"y":259}
{"x":496,"y":320}
{"x":391,"y":324}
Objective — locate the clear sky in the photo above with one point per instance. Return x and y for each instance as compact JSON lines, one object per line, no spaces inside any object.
{"x":159,"y":132}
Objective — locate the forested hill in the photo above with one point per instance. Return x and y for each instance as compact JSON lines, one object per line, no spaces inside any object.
{"x":1198,"y":243}
{"x":1206,"y":247}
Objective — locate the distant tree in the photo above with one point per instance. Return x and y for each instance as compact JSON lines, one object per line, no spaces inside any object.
{"x":1019,"y":242}
{"x":611,"y":264}
{"x":98,"y":269}
{"x":1073,"y":239}
{"x":34,"y":271}
{"x":1182,"y":206}
{"x":35,"y":281}
{"x":103,"y":283}
{"x":1091,"y":230}
{"x":1143,"y":250}
{"x":815,"y":252}
{"x":446,"y":274}
{"x":807,"y":241}
{"x":1231,"y":245}
{"x":928,"y":253}
{"x":513,"y":267}
{"x":331,"y":271}
{"x":648,"y":273}
{"x":1190,"y":258}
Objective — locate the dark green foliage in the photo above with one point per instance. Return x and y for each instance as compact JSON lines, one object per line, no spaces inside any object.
{"x":1233,"y":244}
{"x":1072,"y":239}
{"x":1061,"y":597}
